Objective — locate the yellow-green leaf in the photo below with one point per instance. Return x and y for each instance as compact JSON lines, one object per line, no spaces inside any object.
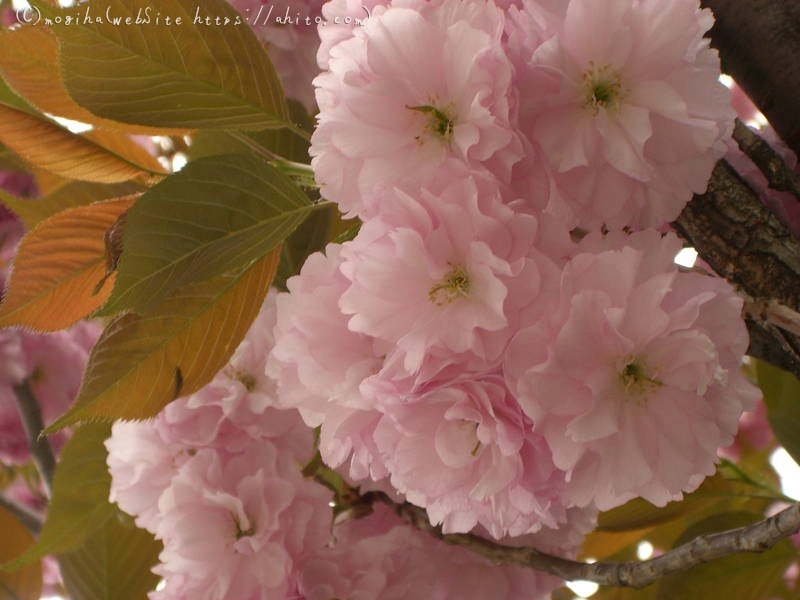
{"x":100,"y":156}
{"x":113,"y":563}
{"x":58,"y":266}
{"x":140,"y":364}
{"x":26,"y":583}
{"x":216,"y":215}
{"x":79,"y":505}
{"x":746,"y":576}
{"x":29,"y":62}
{"x":186,"y":76}
{"x":716,"y":493}
{"x":75,"y":193}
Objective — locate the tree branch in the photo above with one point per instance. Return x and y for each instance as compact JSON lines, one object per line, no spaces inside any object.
{"x":779,"y":176}
{"x":758,"y":43}
{"x":742,"y":241}
{"x":757,"y":537}
{"x":41,"y":451}
{"x":31,"y":520}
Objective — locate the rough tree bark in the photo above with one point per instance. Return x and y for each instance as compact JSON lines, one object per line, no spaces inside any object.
{"x":758,"y":43}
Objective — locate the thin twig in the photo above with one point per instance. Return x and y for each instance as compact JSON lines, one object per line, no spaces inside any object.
{"x":41,"y":451}
{"x":31,"y":520}
{"x":779,"y":176}
{"x":757,"y":537}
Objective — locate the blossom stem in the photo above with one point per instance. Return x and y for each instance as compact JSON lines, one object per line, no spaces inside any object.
{"x":757,"y":537}
{"x":41,"y":451}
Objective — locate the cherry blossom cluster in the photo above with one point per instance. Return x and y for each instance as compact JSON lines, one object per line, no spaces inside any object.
{"x":217,"y":477}
{"x":468,"y":347}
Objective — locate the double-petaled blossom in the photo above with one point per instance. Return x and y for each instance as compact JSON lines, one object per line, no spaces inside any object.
{"x":624,"y":100}
{"x":635,"y":380}
{"x":414,"y":89}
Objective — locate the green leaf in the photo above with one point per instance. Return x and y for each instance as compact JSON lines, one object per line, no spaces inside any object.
{"x":79,"y":505}
{"x":782,"y":397}
{"x":140,"y":364}
{"x":75,"y":193}
{"x":217,"y":215}
{"x":185,"y":76}
{"x":310,"y":237}
{"x":715,"y":494}
{"x":746,"y":576}
{"x":113,"y":563}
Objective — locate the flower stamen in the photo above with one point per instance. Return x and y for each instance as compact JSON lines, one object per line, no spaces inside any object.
{"x":455,"y":284}
{"x":440,"y":123}
{"x":602,"y":88}
{"x":637,"y":383}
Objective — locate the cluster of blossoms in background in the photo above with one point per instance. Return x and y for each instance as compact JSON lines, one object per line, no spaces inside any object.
{"x":507,"y":341}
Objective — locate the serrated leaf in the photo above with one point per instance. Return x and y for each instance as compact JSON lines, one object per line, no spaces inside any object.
{"x":29,"y":62}
{"x":140,"y":364}
{"x":782,"y":397}
{"x":186,"y":76}
{"x":746,"y":576}
{"x":216,"y":215}
{"x":79,"y":505}
{"x":112,"y":564}
{"x":32,"y":211}
{"x":26,"y":583}
{"x":99,"y":156}
{"x":58,"y":266}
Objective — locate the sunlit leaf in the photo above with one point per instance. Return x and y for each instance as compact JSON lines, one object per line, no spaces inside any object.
{"x":140,"y":364}
{"x":29,"y":62}
{"x":186,"y":76}
{"x":216,"y":215}
{"x":75,"y":193}
{"x":99,"y":156}
{"x":25,"y":583}
{"x":79,"y":505}
{"x":58,"y":266}
{"x":112,"y":564}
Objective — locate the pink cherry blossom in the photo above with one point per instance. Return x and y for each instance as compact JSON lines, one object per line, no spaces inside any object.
{"x":336,"y":30}
{"x":380,"y":557}
{"x":631,"y":121}
{"x":458,"y":257}
{"x":635,"y":380}
{"x":410,"y":92}
{"x":251,"y":516}
{"x":467,"y":453}
{"x":231,"y":414}
{"x":320,"y":364}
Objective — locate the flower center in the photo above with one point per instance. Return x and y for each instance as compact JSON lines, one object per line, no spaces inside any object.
{"x":455,"y":284}
{"x":440,"y":123}
{"x":243,"y":377}
{"x":602,"y":87}
{"x":637,"y":383}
